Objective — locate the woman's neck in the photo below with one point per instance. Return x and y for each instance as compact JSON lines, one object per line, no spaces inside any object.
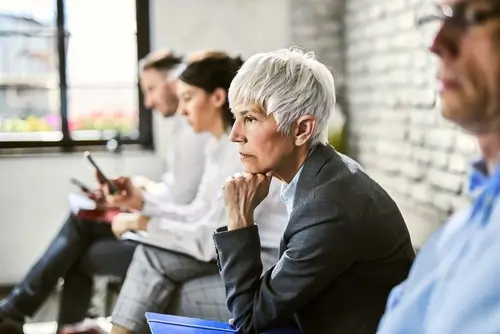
{"x":292,"y":164}
{"x":218,"y":129}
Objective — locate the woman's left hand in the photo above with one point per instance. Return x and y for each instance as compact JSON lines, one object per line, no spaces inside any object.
{"x":242,"y":194}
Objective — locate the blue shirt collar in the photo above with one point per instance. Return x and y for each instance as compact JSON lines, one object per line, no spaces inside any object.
{"x":288,"y":191}
{"x":484,"y":188}
{"x":478,"y":176}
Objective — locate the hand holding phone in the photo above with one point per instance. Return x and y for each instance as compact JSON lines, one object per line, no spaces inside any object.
{"x":97,"y":196}
{"x":121,"y":190}
{"x":112,"y":188}
{"x":129,"y":196}
{"x":83,"y":187}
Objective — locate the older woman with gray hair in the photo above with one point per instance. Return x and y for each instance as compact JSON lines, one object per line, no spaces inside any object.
{"x":346,"y":244}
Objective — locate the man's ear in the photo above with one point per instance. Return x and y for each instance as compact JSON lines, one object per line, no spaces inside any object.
{"x":304,"y":129}
{"x":219,"y":97}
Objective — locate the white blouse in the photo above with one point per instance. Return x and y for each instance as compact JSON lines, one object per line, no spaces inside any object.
{"x":188,"y":229}
{"x":185,"y":161}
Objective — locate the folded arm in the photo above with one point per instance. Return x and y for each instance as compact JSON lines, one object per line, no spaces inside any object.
{"x":185,"y":213}
{"x":193,"y":239}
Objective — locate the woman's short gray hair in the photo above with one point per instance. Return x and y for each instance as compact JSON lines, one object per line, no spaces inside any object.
{"x":287,"y":84}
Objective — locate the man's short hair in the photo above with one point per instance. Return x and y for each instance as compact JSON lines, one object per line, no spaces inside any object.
{"x":163,"y":60}
{"x":287,"y":84}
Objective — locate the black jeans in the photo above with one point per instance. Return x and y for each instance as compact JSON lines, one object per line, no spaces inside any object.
{"x":79,"y":251}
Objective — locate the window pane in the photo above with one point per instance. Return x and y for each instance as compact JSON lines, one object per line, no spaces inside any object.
{"x":102,"y":68}
{"x":29,"y":76}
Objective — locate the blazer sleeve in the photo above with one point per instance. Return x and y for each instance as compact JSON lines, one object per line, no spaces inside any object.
{"x":319,"y":248}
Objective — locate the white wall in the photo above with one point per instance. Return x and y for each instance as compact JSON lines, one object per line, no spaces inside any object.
{"x":33,"y":190}
{"x":241,"y":27}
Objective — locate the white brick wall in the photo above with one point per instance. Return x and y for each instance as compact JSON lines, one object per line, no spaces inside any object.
{"x":387,"y":85}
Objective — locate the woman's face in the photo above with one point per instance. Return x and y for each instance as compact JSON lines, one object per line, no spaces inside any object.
{"x":202,"y":110}
{"x":262,"y":147}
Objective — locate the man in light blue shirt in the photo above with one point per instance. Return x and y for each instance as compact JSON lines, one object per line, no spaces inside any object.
{"x":454,"y":284}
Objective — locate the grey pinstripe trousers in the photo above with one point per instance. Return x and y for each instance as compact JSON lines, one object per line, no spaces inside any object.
{"x":168,"y":282}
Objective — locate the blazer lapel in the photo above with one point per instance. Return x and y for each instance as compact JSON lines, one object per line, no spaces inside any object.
{"x":320,"y":155}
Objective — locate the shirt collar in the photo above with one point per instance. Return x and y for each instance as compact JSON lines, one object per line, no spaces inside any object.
{"x":478,"y":176}
{"x":485,"y":189}
{"x":288,"y":191}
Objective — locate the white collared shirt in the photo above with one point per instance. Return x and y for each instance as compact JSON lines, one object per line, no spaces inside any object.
{"x":188,"y":229}
{"x":185,"y":162}
{"x":288,"y":192}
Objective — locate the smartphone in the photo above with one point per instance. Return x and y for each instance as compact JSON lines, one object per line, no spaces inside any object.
{"x":113,"y":189}
{"x":83,"y":187}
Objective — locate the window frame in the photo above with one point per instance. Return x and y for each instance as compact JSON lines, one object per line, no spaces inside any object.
{"x":67,"y":144}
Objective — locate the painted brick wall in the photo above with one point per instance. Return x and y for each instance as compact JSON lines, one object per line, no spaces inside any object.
{"x":386,"y":83}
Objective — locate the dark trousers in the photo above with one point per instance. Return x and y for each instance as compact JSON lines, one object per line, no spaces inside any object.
{"x":81,"y":250}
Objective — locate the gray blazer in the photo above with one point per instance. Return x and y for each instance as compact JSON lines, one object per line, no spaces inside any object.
{"x":345,"y":247}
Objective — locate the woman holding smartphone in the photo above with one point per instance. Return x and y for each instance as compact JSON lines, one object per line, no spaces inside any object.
{"x":182,"y":277}
{"x":84,"y":248}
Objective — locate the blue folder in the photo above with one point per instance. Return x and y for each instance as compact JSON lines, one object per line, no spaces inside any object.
{"x":172,"y":324}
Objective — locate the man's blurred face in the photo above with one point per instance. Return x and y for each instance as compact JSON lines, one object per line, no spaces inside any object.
{"x":159,"y":91}
{"x":468,"y":46}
